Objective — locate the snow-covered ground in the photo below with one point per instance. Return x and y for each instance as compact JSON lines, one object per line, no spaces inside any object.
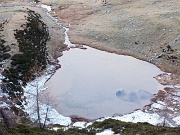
{"x":106,"y":132}
{"x":30,"y":93}
{"x":48,"y":8}
{"x":136,"y":116}
{"x":3,"y":105}
{"x":140,"y":116}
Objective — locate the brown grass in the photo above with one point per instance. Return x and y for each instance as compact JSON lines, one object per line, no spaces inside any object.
{"x":141,"y":28}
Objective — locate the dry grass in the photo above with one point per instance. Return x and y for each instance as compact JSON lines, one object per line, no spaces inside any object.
{"x":138,"y":28}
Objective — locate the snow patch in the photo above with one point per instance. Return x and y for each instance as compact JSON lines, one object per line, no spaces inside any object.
{"x":102,"y":119}
{"x":4,"y":105}
{"x":55,"y":128}
{"x":30,"y":93}
{"x":139,"y":116}
{"x":106,"y":132}
{"x":48,"y":8}
{"x":177,"y":86}
{"x":79,"y":124}
{"x":156,"y":105}
{"x":177,"y":120}
{"x":67,"y":41}
{"x":160,"y":102}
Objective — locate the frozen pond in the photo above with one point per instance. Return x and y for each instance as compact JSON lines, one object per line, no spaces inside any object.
{"x":93,"y":83}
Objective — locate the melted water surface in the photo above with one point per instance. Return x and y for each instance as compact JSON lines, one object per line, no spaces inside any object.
{"x":93,"y":83}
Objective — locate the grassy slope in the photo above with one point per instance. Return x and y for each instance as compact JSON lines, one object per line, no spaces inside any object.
{"x":138,"y":28}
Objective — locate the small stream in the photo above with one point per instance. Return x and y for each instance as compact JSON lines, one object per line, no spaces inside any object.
{"x":93,"y":83}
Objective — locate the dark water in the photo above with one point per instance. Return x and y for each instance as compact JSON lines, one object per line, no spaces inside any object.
{"x":93,"y":83}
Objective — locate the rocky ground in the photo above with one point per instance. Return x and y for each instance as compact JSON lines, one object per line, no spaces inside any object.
{"x":147,"y":30}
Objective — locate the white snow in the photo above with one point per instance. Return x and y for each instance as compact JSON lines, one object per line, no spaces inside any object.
{"x":79,"y":124}
{"x":156,"y":105}
{"x":67,"y":41}
{"x":160,"y":102}
{"x":177,"y":86}
{"x":48,"y":8}
{"x":30,"y":108}
{"x":177,"y":120}
{"x":139,"y":116}
{"x":3,"y":105}
{"x":55,"y":128}
{"x":102,"y":119}
{"x":106,"y":132}
{"x":88,"y":124}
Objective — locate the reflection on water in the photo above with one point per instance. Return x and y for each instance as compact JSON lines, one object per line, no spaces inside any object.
{"x":93,"y":83}
{"x":134,"y":96}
